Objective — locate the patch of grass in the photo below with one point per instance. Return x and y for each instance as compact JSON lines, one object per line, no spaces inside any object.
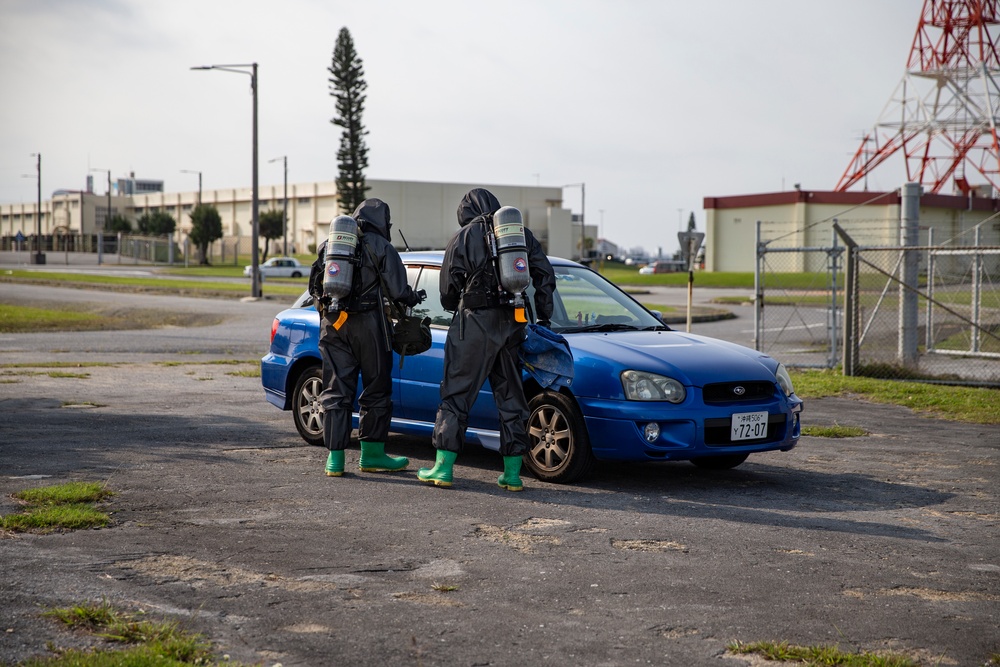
{"x":147,"y":642}
{"x":149,"y":285}
{"x":49,"y":518}
{"x":663,"y":309}
{"x":69,"y":506}
{"x":216,"y":362}
{"x":835,"y":431}
{"x":21,"y":319}
{"x":81,"y":404}
{"x":973,"y":405}
{"x":444,"y":588}
{"x":249,"y":373}
{"x":821,"y":655}
{"x":64,"y":374}
{"x":95,"y":317}
{"x":70,"y":492}
{"x":59,"y":364}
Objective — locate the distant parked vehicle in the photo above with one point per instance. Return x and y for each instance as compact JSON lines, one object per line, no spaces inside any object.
{"x":663,"y":266}
{"x":279,"y":267}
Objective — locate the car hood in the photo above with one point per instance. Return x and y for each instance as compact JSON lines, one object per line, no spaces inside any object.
{"x":691,"y":359}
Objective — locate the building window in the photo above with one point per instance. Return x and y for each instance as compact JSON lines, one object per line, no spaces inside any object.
{"x":187,"y":207}
{"x":303,"y":200}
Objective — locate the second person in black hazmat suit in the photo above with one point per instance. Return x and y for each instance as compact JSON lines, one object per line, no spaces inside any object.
{"x":361,"y":344}
{"x":483,"y":341}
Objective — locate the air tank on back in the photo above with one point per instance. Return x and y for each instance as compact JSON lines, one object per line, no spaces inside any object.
{"x":339,"y":272}
{"x":512,"y":251}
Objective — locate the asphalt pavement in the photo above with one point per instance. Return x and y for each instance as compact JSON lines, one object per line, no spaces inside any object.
{"x":224,"y":521}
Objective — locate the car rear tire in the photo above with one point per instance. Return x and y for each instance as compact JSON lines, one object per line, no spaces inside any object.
{"x":559,"y":449}
{"x":724,"y":462}
{"x":307,"y":412}
{"x":296,"y":274}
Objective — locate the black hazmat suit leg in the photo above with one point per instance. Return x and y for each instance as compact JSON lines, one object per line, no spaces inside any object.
{"x":487,"y":350}
{"x":358,"y":345}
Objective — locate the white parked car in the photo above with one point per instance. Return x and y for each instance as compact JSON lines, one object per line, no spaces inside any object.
{"x":279,"y":267}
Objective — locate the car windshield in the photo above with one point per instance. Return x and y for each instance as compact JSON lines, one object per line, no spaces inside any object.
{"x":586,"y":301}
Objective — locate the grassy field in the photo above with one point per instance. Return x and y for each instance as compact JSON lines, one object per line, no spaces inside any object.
{"x":284,"y":287}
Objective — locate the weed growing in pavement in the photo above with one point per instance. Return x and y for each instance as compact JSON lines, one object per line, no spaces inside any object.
{"x":146,"y":642}
{"x":69,"y":506}
{"x":821,"y":655}
{"x":835,"y":431}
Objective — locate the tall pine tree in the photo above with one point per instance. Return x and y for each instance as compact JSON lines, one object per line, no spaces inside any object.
{"x":347,"y":85}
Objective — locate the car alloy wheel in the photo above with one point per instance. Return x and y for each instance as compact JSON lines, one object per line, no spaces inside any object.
{"x":307,"y":410}
{"x":559,"y":446}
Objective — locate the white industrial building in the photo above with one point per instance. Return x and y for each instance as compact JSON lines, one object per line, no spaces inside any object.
{"x":424,"y":212}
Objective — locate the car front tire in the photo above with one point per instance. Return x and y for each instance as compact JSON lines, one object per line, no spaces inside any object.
{"x":559,"y":446}
{"x":307,"y":411}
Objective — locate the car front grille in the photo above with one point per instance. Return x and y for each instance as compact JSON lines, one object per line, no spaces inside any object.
{"x":718,"y":431}
{"x":731,"y":392}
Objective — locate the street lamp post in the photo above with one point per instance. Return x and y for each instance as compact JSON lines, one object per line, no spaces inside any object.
{"x":39,"y":256}
{"x":191,"y":171}
{"x":255,"y":224}
{"x":583,"y":208}
{"x":107,"y":220}
{"x":284,"y":220}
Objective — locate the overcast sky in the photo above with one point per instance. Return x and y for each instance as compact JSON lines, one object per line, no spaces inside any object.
{"x":654,"y":104}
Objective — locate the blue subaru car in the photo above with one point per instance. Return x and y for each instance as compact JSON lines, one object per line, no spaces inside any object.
{"x":640,"y":390}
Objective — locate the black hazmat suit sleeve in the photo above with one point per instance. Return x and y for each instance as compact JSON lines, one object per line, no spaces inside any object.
{"x":543,"y":277}
{"x":394,"y":274}
{"x":316,"y":272}
{"x":451,"y":282}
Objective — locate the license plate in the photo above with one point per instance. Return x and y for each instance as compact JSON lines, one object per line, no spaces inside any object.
{"x":749,"y":425}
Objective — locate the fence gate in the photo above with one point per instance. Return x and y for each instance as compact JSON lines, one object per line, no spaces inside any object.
{"x":798,"y":303}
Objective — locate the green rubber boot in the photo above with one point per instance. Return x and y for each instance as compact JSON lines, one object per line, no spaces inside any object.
{"x":440,"y":474}
{"x":335,"y":463}
{"x":374,"y":459}
{"x":511,"y":477}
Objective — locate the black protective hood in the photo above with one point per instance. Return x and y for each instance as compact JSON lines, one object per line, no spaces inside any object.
{"x":476,"y":203}
{"x":372,"y":215}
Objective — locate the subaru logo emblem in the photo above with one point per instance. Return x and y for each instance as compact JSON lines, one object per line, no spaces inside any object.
{"x":739,"y":390}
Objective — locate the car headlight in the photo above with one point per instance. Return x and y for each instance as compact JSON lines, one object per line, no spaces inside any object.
{"x":642,"y":386}
{"x":784,"y":380}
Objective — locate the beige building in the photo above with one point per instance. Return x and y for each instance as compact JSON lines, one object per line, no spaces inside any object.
{"x":802,"y":219}
{"x":425,"y":213}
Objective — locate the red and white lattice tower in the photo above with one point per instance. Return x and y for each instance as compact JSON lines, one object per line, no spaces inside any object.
{"x":943,"y":115}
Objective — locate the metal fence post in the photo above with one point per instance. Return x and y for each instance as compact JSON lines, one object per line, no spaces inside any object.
{"x":850,"y":354}
{"x":977,"y":276}
{"x":909,"y":234}
{"x":931,"y":257}
{"x":758,"y":296}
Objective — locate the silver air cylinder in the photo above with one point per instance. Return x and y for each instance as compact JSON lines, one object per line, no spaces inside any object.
{"x":512,"y":251}
{"x":340,"y":246}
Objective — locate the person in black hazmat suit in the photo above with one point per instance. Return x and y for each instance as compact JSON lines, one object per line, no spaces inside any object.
{"x":361,"y":344}
{"x":483,"y":341}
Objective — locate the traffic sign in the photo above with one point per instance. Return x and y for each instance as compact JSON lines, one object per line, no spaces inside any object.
{"x":690,"y":243}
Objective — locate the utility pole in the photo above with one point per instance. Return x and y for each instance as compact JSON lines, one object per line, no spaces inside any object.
{"x":284,"y":197}
{"x":39,"y":256}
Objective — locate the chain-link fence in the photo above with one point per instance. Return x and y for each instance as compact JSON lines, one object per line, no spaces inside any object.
{"x":928,"y":312}
{"x":944,"y":328}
